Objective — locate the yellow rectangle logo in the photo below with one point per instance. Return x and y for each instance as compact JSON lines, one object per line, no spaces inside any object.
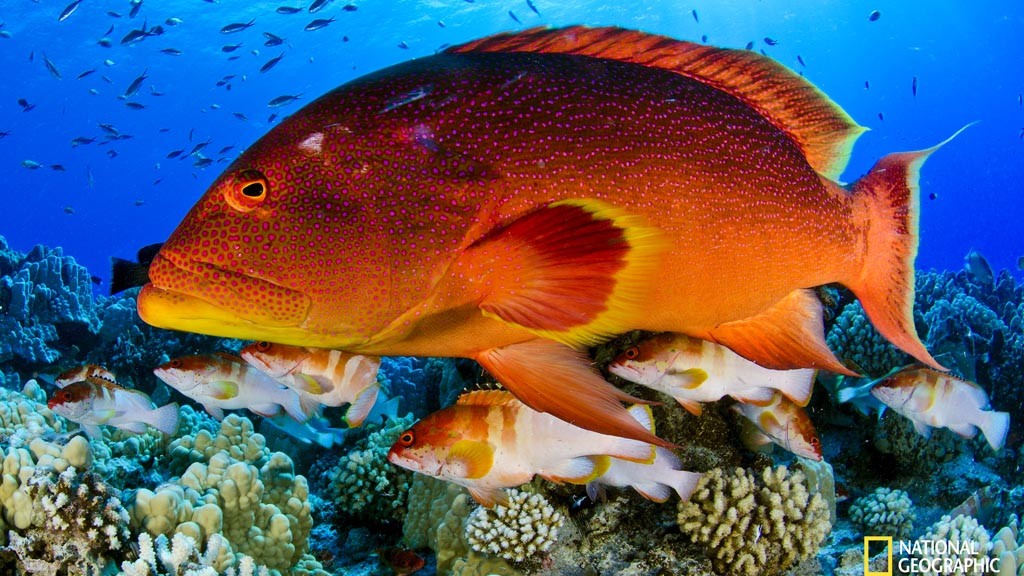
{"x":887,"y":540}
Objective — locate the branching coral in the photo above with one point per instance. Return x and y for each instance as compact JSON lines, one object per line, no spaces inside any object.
{"x":750,"y":528}
{"x":181,"y":557}
{"x":518,"y":532}
{"x":884,"y":512}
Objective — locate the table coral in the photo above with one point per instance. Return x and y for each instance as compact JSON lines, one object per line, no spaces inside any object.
{"x":520,"y":531}
{"x":755,"y":528}
{"x":884,"y":512}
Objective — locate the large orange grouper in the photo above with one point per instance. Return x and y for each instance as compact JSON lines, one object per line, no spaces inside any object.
{"x":518,"y":197}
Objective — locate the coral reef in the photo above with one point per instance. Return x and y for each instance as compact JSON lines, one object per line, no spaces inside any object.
{"x":884,"y":512}
{"x":364,"y":484}
{"x":47,"y":302}
{"x":263,"y":511}
{"x":895,"y":435}
{"x":522,"y":530}
{"x":181,"y":557}
{"x":960,"y":529}
{"x":753,"y":528}
{"x":437,"y":515}
{"x":1008,"y":547}
{"x":860,"y":346}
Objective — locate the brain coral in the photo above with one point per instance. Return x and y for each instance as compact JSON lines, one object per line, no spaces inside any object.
{"x":884,"y":512}
{"x":753,"y":528}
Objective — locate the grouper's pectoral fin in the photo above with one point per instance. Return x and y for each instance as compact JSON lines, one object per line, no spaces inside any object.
{"x":575,"y":271}
{"x":551,"y":377}
{"x":788,"y":335}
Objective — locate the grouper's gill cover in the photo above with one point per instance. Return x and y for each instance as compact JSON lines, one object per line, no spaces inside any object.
{"x":526,"y":194}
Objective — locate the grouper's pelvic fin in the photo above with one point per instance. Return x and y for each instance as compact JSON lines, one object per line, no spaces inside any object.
{"x":886,"y":202}
{"x":823,"y":131}
{"x":554,"y":378}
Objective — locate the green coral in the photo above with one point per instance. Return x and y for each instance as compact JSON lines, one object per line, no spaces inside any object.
{"x":755,"y":528}
{"x":365,"y":484}
{"x":884,"y":512}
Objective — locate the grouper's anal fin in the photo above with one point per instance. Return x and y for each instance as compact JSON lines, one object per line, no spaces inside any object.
{"x":788,"y":335}
{"x":554,"y":378}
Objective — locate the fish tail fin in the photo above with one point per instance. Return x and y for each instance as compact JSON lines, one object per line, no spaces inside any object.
{"x":994,"y":425}
{"x":844,"y":395}
{"x":164,"y":418}
{"x":683,"y":482}
{"x":126,"y":274}
{"x":796,"y":385}
{"x":887,"y":202}
{"x":551,"y":377}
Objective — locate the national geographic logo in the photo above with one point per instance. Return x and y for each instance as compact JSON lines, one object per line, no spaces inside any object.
{"x":872,"y":551}
{"x":927,"y":557}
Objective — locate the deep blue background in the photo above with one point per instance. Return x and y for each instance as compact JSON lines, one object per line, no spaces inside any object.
{"x":968,"y":65}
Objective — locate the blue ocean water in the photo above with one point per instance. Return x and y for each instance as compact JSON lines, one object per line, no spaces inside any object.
{"x":115,"y":196}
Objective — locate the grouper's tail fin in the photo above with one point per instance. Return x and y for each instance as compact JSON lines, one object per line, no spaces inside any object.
{"x":887,"y":201}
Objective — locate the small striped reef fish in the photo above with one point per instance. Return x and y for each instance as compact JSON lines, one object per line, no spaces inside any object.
{"x":322,"y":376}
{"x":932,"y":399}
{"x":81,"y":373}
{"x":224,"y":382}
{"x":488,"y":441}
{"x":782,"y":422}
{"x":693,"y":371}
{"x":95,"y":402}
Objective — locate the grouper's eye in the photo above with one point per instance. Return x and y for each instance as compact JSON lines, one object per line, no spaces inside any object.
{"x":247,"y":190}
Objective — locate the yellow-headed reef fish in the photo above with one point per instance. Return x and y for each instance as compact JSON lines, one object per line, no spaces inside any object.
{"x":521,"y":196}
{"x":489,"y":441}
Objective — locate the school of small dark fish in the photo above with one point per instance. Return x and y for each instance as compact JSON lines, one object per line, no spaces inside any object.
{"x":126,"y":31}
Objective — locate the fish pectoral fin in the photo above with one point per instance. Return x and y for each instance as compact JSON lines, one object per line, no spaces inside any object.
{"x":575,"y":271}
{"x":922,"y":428}
{"x":362,"y":405}
{"x":93,"y":431}
{"x":215,"y":411}
{"x":551,"y":377}
{"x":688,"y":379}
{"x":474,"y":459}
{"x":790,"y":334}
{"x":758,"y":396}
{"x":134,"y":427}
{"x":223,"y":390}
{"x":306,"y":383}
{"x":579,"y":470}
{"x":964,"y":430}
{"x":266,"y":410}
{"x":691,"y":406}
{"x":488,"y":497}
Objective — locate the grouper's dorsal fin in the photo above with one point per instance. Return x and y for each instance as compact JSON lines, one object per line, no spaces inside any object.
{"x":488,"y":398}
{"x":821,"y":128}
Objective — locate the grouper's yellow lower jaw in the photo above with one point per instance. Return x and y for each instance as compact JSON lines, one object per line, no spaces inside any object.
{"x":177,"y":311}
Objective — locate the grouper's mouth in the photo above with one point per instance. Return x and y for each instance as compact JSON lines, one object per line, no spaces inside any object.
{"x":200,"y":297}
